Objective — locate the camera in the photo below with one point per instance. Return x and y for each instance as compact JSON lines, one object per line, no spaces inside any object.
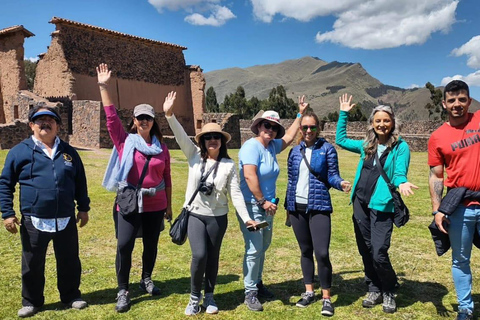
{"x":206,"y":188}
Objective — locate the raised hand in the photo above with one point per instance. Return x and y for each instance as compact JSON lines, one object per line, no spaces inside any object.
{"x":346,"y":102}
{"x":103,"y":74}
{"x":168,"y":104}
{"x":302,"y":105}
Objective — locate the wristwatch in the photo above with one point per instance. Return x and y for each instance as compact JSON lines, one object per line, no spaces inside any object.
{"x":261,"y":202}
{"x":434,"y":212}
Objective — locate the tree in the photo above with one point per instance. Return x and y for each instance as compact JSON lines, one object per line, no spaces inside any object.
{"x":278,"y":101}
{"x":211,"y":103}
{"x":235,"y":103}
{"x":30,"y":71}
{"x":435,"y":107}
{"x":356,"y":114}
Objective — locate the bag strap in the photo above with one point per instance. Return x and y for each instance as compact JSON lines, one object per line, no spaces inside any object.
{"x":144,"y":173}
{"x":302,"y":151}
{"x":203,"y":179}
{"x":383,"y":174}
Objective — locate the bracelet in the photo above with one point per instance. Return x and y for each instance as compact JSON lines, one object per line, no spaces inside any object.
{"x":261,"y":202}
{"x":434,"y":212}
{"x":102,"y":84}
{"x":299,"y":115}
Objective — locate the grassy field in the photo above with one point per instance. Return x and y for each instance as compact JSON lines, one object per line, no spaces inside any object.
{"x":426,"y":290}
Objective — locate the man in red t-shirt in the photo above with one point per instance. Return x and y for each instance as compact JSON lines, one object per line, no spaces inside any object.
{"x":455,"y":148}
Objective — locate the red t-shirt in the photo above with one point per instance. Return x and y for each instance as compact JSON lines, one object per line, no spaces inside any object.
{"x":458,"y":150}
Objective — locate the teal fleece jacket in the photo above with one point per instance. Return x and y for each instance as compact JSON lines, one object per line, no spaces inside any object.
{"x":396,"y":166}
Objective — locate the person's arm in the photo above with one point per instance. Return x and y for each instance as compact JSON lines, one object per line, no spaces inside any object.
{"x":435,"y":183}
{"x":103,"y":76}
{"x":341,"y":134}
{"x":333,"y":172}
{"x":81,"y":192}
{"x":8,"y":180}
{"x":402,"y":162}
{"x":168,"y":182}
{"x":291,"y":133}
{"x":233,"y":189}
{"x":251,"y":178}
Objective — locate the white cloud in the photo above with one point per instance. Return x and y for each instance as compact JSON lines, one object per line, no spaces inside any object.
{"x":473,"y":79}
{"x":175,"y":5}
{"x":32,"y":59}
{"x":472,"y":50}
{"x":413,"y":86}
{"x":219,"y":16}
{"x":374,"y":24}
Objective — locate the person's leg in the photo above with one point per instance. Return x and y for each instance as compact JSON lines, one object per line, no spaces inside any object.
{"x":320,"y":228}
{"x":362,"y":226}
{"x":301,"y":229}
{"x":34,"y":250}
{"x":151,"y":224}
{"x":216,"y":227}
{"x":381,"y":231}
{"x":461,"y":230}
{"x":127,"y":231}
{"x":197,"y":236}
{"x":69,"y":269}
{"x":267,"y":240}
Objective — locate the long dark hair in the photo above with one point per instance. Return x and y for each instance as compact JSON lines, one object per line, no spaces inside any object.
{"x":155,"y":131}
{"x":223,"y":149}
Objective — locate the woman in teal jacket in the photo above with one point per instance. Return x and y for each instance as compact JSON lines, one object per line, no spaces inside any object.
{"x":371,"y":198}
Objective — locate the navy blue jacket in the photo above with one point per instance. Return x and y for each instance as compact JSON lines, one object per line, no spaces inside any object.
{"x":48,"y":188}
{"x":324,"y":162}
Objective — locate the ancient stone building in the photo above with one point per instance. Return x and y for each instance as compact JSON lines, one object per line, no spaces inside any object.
{"x":12,"y":70}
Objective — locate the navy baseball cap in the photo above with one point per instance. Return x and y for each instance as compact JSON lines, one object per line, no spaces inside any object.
{"x":45,"y":113}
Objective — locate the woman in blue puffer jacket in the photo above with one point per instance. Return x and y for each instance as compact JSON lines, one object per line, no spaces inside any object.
{"x":309,"y":206}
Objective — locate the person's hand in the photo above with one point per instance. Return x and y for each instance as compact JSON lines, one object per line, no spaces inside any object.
{"x":10,"y":224}
{"x":302,"y":105}
{"x":168,"y":213}
{"x":103,"y":74}
{"x":82,"y":217}
{"x":406,"y":188}
{"x":346,"y":102}
{"x":168,"y":104}
{"x":251,"y":223}
{"x":270,"y":208}
{"x":439,"y":218}
{"x":346,"y":186}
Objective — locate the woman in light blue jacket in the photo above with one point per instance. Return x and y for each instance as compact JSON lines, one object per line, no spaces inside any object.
{"x":372,"y":202}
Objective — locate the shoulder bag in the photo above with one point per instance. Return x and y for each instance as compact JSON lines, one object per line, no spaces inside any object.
{"x":319,"y":178}
{"x":401,"y":212}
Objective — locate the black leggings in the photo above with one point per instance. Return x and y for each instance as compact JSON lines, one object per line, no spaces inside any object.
{"x":313,"y":231}
{"x":205,"y":234}
{"x":151,"y":223}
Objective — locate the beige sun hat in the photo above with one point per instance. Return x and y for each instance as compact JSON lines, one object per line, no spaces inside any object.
{"x":213,"y":127}
{"x":271,"y":116}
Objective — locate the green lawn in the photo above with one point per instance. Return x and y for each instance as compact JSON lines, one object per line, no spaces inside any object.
{"x":426,"y":286}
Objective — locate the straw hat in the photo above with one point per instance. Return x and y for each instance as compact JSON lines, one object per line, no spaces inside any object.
{"x":212,"y":127}
{"x":271,"y":116}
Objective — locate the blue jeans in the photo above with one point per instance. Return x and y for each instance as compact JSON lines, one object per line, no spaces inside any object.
{"x":464,"y":222}
{"x":256,"y":244}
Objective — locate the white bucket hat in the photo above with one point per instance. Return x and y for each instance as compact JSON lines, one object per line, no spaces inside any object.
{"x":271,"y":116}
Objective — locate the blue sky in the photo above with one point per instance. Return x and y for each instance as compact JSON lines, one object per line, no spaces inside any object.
{"x":402,"y":43}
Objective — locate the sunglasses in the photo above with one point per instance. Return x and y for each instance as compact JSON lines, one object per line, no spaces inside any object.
{"x":214,"y":136}
{"x":268,"y":126}
{"x":312,"y":128}
{"x":144,"y":117}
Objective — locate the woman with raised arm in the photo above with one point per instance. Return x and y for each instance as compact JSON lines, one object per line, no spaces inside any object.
{"x":130,"y":154}
{"x":258,"y":176}
{"x":373,"y":210}
{"x":312,"y":170}
{"x":207,"y":221}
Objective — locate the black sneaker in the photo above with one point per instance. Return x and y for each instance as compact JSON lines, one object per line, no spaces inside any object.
{"x":148,"y":286}
{"x":123,"y":301}
{"x":389,"y":305}
{"x":327,"y":309}
{"x":372,"y":299}
{"x":263,"y":292}
{"x":307,"y":298}
{"x":252,"y":302}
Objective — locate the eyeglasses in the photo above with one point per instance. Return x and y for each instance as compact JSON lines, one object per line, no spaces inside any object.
{"x":268,"y":126}
{"x":214,"y":136}
{"x":144,"y":117}
{"x":312,"y":128}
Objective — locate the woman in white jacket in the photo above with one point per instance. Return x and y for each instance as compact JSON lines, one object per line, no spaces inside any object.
{"x":208,"y":219}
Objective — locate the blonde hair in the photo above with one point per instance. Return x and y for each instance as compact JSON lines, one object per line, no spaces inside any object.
{"x":371,"y":138}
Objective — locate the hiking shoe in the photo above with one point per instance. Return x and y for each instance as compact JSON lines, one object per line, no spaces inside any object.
{"x":193,"y":306}
{"x":464,"y":315}
{"x":209,"y":304}
{"x":123,"y":301}
{"x":148,"y":286}
{"x":78,"y":304}
{"x":252,"y":302}
{"x":27,"y":311}
{"x":389,"y":305}
{"x":263,"y":292}
{"x":307,"y":298}
{"x":327,"y":309}
{"x":372,"y":299}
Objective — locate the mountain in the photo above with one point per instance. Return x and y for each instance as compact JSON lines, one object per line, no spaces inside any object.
{"x":322,"y":83}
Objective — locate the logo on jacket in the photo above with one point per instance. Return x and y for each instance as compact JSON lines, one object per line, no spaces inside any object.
{"x":67,"y":157}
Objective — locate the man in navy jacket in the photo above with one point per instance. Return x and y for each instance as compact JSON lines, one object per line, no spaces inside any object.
{"x":52,"y":178}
